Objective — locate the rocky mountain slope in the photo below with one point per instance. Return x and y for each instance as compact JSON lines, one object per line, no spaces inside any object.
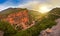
{"x":19,"y":17}
{"x":54,"y":14}
{"x":32,"y":21}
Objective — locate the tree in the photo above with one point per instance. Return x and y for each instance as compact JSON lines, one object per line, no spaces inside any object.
{"x":7,"y":28}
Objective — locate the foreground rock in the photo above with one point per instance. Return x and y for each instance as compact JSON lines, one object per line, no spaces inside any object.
{"x":1,"y":33}
{"x":54,"y":31}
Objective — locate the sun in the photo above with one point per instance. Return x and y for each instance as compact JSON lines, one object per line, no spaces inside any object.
{"x":44,"y":9}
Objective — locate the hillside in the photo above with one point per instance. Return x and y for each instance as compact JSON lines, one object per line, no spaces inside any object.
{"x":19,"y":17}
{"x":55,"y":11}
{"x":54,"y":14}
{"x":27,"y":22}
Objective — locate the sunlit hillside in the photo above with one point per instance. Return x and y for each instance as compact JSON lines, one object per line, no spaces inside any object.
{"x":25,"y":22}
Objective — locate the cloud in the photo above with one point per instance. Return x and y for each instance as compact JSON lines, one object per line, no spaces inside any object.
{"x":34,"y":5}
{"x":4,"y":7}
{"x":30,"y":4}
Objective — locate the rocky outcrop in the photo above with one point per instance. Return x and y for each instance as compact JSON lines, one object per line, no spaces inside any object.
{"x":18,"y":19}
{"x":54,"y":31}
{"x":1,"y":33}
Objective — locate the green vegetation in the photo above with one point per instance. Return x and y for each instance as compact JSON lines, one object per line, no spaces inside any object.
{"x":55,"y":11}
{"x":8,"y":11}
{"x":7,"y":28}
{"x":40,"y":24}
{"x":35,"y":30}
{"x":34,"y":15}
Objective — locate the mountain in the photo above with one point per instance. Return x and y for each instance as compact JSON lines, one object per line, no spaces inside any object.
{"x":30,"y":22}
{"x":22,"y":17}
{"x":55,"y":10}
{"x":54,"y":14}
{"x":19,"y":17}
{"x":47,"y":21}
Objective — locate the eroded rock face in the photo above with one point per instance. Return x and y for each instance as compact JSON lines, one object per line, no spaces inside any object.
{"x":20,"y":19}
{"x":54,"y":31}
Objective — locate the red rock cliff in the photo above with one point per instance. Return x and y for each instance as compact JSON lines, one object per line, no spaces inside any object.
{"x":19,"y":18}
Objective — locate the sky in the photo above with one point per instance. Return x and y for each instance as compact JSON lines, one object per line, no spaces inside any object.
{"x":30,"y":4}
